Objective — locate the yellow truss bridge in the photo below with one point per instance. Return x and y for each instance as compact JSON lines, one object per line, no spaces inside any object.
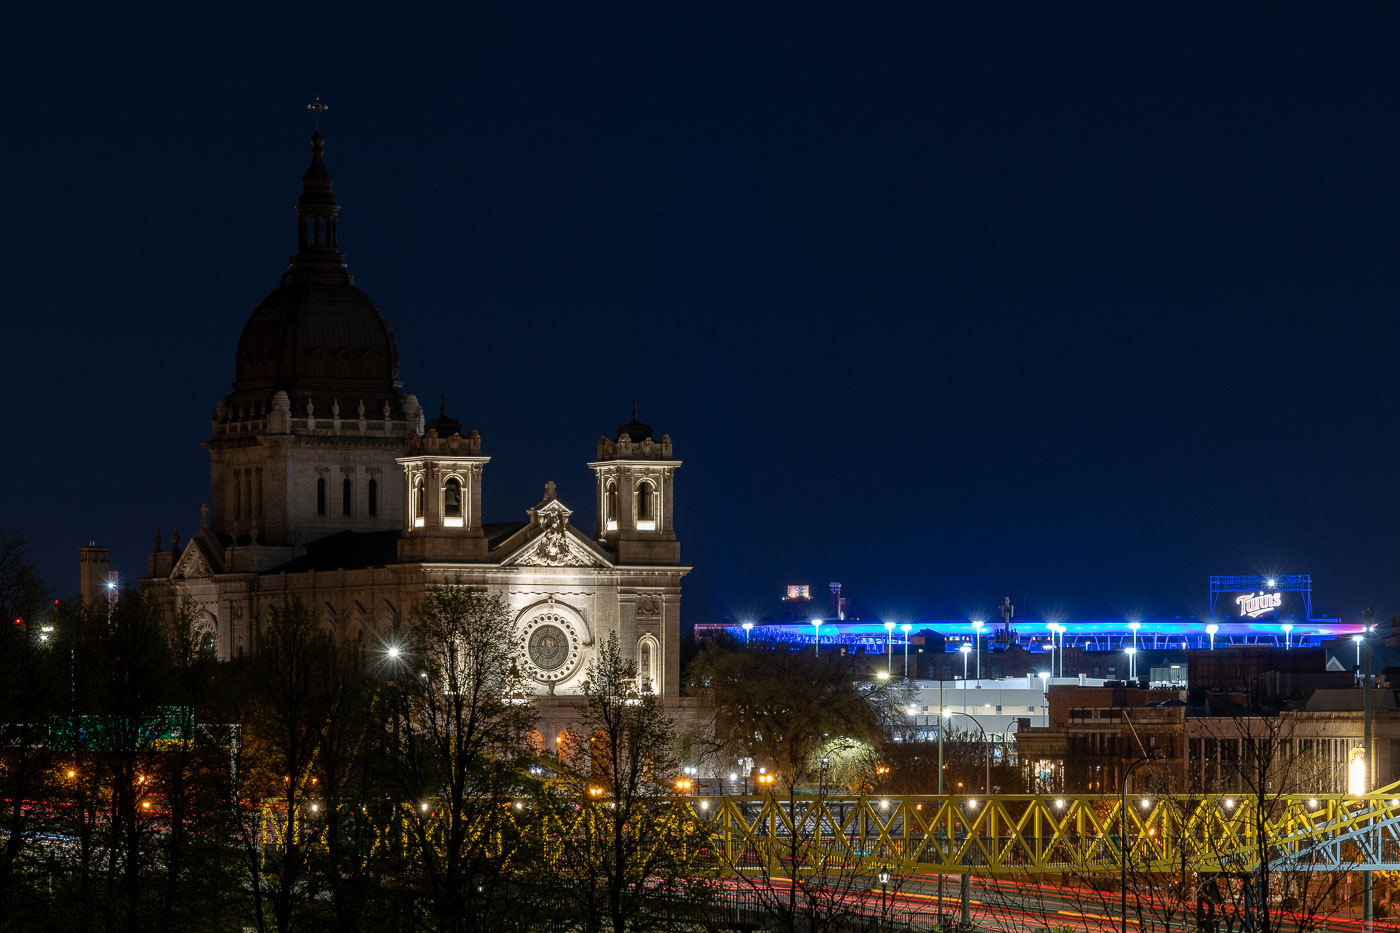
{"x":1001,"y":834}
{"x":1009,"y":834}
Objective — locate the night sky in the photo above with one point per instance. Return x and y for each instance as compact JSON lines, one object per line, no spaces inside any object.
{"x":1077,"y":305}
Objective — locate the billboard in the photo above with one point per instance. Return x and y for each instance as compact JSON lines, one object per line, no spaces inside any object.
{"x":799,"y":591}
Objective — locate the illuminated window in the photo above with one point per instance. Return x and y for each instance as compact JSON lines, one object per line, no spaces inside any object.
{"x":452,"y":503}
{"x":373,"y":497}
{"x":646,"y":506}
{"x":610,"y":506}
{"x":646,"y":664}
{"x":418,"y":503}
{"x":321,"y":496}
{"x":345,"y":496}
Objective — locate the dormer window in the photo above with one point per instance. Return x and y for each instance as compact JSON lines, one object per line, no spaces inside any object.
{"x":646,"y":506}
{"x":418,"y":503}
{"x":610,"y":506}
{"x":452,"y":503}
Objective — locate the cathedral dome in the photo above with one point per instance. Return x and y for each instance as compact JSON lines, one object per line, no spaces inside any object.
{"x":320,"y":342}
{"x":317,"y":337}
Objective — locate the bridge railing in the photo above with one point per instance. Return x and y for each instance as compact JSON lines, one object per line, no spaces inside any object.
{"x":1000,"y":834}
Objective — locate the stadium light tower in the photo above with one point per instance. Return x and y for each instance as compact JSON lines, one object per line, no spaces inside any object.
{"x":977,"y":645}
{"x":966,"y":649}
{"x":889,"y":647}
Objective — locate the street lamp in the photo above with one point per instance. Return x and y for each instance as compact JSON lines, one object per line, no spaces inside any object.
{"x":1132,"y":664}
{"x":1045,"y":693}
{"x":817,"y":636}
{"x":889,"y":647}
{"x":1211,"y":630}
{"x":1123,"y":839}
{"x":977,"y":642}
{"x":747,"y":627}
{"x":1358,"y":639}
{"x":966,"y":650}
{"x":1287,"y":628}
{"x":905,"y":628}
{"x":884,"y":877}
{"x":986,"y":744}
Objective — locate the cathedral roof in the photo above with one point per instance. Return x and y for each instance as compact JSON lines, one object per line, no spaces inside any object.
{"x":317,"y":336}
{"x":634,"y":429}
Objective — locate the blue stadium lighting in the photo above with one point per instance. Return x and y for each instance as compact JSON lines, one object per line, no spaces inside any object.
{"x":1105,"y":635}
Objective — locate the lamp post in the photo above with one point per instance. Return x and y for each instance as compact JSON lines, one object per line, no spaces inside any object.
{"x":884,"y":877}
{"x":889,"y":647}
{"x":1132,"y":663}
{"x":1045,"y":694}
{"x":747,"y":627}
{"x":816,"y":636}
{"x":977,"y":643}
{"x":987,"y":745}
{"x":942,"y":718}
{"x":1358,"y":639}
{"x":1211,"y":630}
{"x":1123,"y":840}
{"x":966,"y":650}
{"x":1287,"y":636}
{"x":905,"y":628}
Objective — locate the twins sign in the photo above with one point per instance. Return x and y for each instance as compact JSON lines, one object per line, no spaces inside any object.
{"x":1256,"y":604}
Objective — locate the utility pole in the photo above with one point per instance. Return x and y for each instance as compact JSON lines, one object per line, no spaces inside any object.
{"x":1367,"y":904}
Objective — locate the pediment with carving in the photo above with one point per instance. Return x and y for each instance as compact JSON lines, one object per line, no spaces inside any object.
{"x":192,"y":564}
{"x":553,"y":542}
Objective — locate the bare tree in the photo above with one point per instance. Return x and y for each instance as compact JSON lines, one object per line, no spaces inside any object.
{"x":460,"y":719}
{"x":817,"y":730}
{"x":629,"y":853}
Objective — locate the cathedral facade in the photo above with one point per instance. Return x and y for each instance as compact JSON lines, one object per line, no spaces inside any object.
{"x":329,"y":485}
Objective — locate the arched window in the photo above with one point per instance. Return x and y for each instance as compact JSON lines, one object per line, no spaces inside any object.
{"x":208,"y":646}
{"x":646,"y":506}
{"x":646,"y":665}
{"x":321,"y":496}
{"x":418,"y":503}
{"x":610,"y":506}
{"x":452,"y":503}
{"x":346,"y":497}
{"x":373,"y":497}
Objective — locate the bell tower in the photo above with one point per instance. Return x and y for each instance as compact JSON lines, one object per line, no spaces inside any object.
{"x":636,"y":506}
{"x":442,"y":494}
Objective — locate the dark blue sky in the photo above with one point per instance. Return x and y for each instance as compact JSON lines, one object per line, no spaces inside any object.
{"x":944,"y":302}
